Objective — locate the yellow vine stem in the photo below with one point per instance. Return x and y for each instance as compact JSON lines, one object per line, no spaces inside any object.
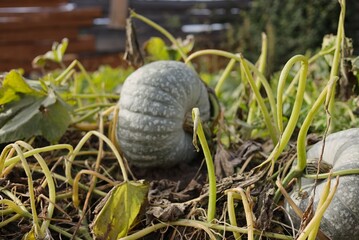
{"x":232,"y":213}
{"x":320,"y":211}
{"x":13,"y":218}
{"x":301,"y":140}
{"x":353,"y":171}
{"x":38,"y":231}
{"x":15,"y":199}
{"x":13,"y":160}
{"x":310,"y":61}
{"x":50,"y":181}
{"x":15,"y":208}
{"x":93,"y":179}
{"x":262,"y":63}
{"x":223,"y":77}
{"x":199,"y":224}
{"x":313,"y":234}
{"x":212,"y":195}
{"x":240,"y":194}
{"x":300,"y":91}
{"x":337,"y":54}
{"x":184,"y":223}
{"x":77,"y":149}
{"x":292,"y":204}
{"x":75,"y":186}
{"x":6,"y":154}
{"x":64,"y":233}
{"x":246,"y":67}
{"x":293,"y":120}
{"x":15,"y":205}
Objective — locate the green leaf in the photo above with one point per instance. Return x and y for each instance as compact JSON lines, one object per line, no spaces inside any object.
{"x":30,"y":235}
{"x":55,"y":55}
{"x":108,"y":78}
{"x":12,"y":85}
{"x":119,"y":210}
{"x":60,"y":49}
{"x":186,"y":45}
{"x":34,"y":116}
{"x":156,"y":49}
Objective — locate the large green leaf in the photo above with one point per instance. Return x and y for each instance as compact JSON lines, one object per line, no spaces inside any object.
{"x":156,"y":49}
{"x":120,"y":209}
{"x":12,"y":85}
{"x":33,"y":116}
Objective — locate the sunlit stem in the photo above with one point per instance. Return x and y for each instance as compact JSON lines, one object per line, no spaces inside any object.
{"x":161,"y":30}
{"x":239,"y":193}
{"x":319,"y":212}
{"x":293,"y":120}
{"x":80,"y":145}
{"x":232,"y":213}
{"x":301,"y":140}
{"x":198,"y":129}
{"x":269,"y":93}
{"x":195,"y":223}
{"x":262,"y":63}
{"x":300,"y":92}
{"x":337,"y":54}
{"x":64,"y":232}
{"x":310,"y":61}
{"x":15,"y":208}
{"x":354,"y":171}
{"x":260,"y":100}
{"x":16,"y":159}
{"x":224,"y":75}
{"x":69,"y":69}
{"x":245,"y":65}
{"x":324,"y":195}
{"x":51,"y":185}
{"x":85,"y":116}
{"x":38,"y":232}
{"x":75,"y":186}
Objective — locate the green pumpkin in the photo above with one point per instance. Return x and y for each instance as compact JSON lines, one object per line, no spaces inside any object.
{"x":155,"y":102}
{"x":341,"y":219}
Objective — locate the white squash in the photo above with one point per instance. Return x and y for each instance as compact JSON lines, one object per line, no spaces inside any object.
{"x":155,"y":103}
{"x":341,"y":219}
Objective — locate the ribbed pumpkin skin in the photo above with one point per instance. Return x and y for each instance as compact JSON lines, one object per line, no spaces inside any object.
{"x":153,"y":105}
{"x":341,"y":219}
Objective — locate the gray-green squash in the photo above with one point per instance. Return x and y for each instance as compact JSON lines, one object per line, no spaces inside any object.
{"x":341,"y":219}
{"x":155,"y":102}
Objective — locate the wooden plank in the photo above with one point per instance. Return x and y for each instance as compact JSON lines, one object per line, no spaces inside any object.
{"x":65,"y":10}
{"x":35,"y":34}
{"x":33,"y":18}
{"x":17,"y":23}
{"x":20,"y":51}
{"x":27,"y":3}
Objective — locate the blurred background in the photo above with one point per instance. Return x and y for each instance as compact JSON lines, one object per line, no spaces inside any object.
{"x":96,"y":28}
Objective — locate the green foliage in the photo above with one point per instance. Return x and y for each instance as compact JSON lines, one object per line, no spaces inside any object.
{"x":293,"y":27}
{"x":42,"y":107}
{"x":31,"y":116}
{"x":106,"y":79}
{"x":156,"y":49}
{"x":13,"y":86}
